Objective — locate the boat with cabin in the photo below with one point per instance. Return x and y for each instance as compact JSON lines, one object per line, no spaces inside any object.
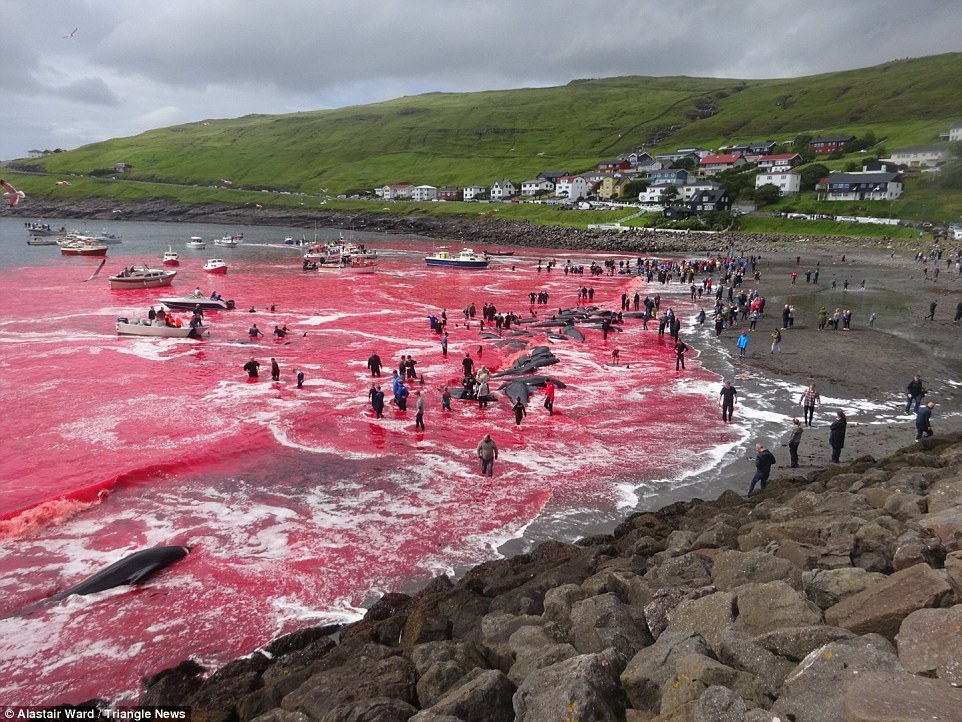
{"x":194,"y":300}
{"x":228,"y":241}
{"x":82,"y":246}
{"x":171,"y":257}
{"x":196,"y":242}
{"x":215,"y":265}
{"x":348,"y":265}
{"x":109,"y":238}
{"x":41,"y":241}
{"x":465,"y":258}
{"x":141,"y":277}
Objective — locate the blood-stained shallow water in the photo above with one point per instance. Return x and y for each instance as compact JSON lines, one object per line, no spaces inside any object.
{"x":302,"y":507}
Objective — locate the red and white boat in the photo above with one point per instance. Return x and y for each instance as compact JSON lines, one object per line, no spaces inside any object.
{"x":215,"y":265}
{"x":171,"y":257}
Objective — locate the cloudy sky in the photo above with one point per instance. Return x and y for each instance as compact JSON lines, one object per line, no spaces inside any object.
{"x":133,"y":65}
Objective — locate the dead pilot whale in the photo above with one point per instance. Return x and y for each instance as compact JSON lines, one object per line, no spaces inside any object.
{"x":132,"y":569}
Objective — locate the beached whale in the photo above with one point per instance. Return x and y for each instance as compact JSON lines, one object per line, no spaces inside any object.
{"x":132,"y":569}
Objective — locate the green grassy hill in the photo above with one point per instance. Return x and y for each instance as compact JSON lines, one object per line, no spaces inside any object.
{"x":467,"y":138}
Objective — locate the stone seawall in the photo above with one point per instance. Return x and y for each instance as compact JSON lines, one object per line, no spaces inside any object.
{"x":832,"y":596}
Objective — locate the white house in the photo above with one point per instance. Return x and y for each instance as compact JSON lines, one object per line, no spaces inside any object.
{"x":788,"y":184}
{"x":572,"y":187}
{"x":394,"y":192}
{"x":536,"y":185}
{"x":686,"y":190}
{"x":472,"y":192}
{"x":955,"y":133}
{"x":921,"y":156}
{"x":424,"y":193}
{"x":502,"y":189}
{"x":860,"y":187}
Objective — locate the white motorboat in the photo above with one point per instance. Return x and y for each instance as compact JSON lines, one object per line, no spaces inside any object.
{"x":143,"y":327}
{"x":196,"y":242}
{"x":141,"y":277}
{"x":171,"y":257}
{"x":227,"y":241}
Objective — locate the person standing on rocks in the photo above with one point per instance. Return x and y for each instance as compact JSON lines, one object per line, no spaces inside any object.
{"x":726,"y":398}
{"x":794,"y":439}
{"x":923,"y":421}
{"x":836,"y":437}
{"x":487,"y":453}
{"x":764,"y":461}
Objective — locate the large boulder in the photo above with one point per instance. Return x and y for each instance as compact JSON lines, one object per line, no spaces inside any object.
{"x":648,"y":670}
{"x":495,"y":633}
{"x":441,"y":665}
{"x":367,"y":676}
{"x":914,"y":547}
{"x":664,"y":600}
{"x":483,"y":695}
{"x":796,"y":643}
{"x":882,"y":697}
{"x":709,"y":616}
{"x":815,"y":690}
{"x":945,"y":524}
{"x":604,"y":621}
{"x":694,"y":673}
{"x":741,"y":652}
{"x":945,"y":494}
{"x":584,"y":687}
{"x":719,"y":704}
{"x":733,"y":568}
{"x":930,"y":642}
{"x":691,"y":570}
{"x":827,"y":587}
{"x":764,"y":607}
{"x":881,"y":607}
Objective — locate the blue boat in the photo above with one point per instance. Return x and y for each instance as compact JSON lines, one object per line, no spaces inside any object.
{"x":466,"y":258}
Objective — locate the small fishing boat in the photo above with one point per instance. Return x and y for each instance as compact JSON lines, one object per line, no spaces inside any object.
{"x":82,"y":246}
{"x":196,"y":242}
{"x":141,"y":277}
{"x":109,"y":238}
{"x":348,"y":265}
{"x":44,"y":229}
{"x":215,"y":265}
{"x":465,"y":258}
{"x":188,"y":303}
{"x":227,"y":241}
{"x":143,"y":327}
{"x":41,"y":241}
{"x":171,"y":257}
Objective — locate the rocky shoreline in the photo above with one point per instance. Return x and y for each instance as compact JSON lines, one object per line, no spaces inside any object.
{"x":490,"y":231}
{"x":834,"y":595}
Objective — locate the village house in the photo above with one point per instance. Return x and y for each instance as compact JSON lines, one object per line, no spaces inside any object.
{"x":448,"y":194}
{"x":536,"y":185}
{"x":678,"y":157}
{"x":921,"y":156}
{"x":394,"y":192}
{"x":572,"y":187}
{"x":829,"y":144}
{"x":759,"y":149}
{"x":788,"y":184}
{"x":677,"y":176}
{"x":884,"y":166}
{"x":612,"y":186}
{"x":714,"y":164}
{"x":612,"y":166}
{"x":502,"y":189}
{"x":953,"y":135}
{"x":471,"y":192}
{"x":552,"y":175}
{"x":424,"y":193}
{"x":860,"y":187}
{"x":636,"y":157}
{"x":708,"y":201}
{"x":779,"y":162}
{"x":686,"y":190}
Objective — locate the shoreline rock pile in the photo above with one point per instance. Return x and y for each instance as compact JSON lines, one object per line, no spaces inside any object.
{"x":832,"y":596}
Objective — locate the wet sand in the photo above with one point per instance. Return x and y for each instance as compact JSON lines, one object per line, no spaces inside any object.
{"x":862,"y":371}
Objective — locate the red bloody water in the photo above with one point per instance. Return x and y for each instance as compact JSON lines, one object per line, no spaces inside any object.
{"x":301,"y":505}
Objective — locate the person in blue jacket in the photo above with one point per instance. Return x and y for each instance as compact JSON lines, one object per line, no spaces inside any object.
{"x":742,"y":344}
{"x":923,"y":421}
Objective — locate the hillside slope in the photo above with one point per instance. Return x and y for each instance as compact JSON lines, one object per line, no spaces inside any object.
{"x":459,"y":139}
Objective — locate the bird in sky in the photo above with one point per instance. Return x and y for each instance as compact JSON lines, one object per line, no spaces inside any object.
{"x":71,"y":33}
{"x":15,"y":195}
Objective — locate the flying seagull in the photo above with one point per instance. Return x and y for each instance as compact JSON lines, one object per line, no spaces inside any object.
{"x":15,"y":195}
{"x":71,"y":33}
